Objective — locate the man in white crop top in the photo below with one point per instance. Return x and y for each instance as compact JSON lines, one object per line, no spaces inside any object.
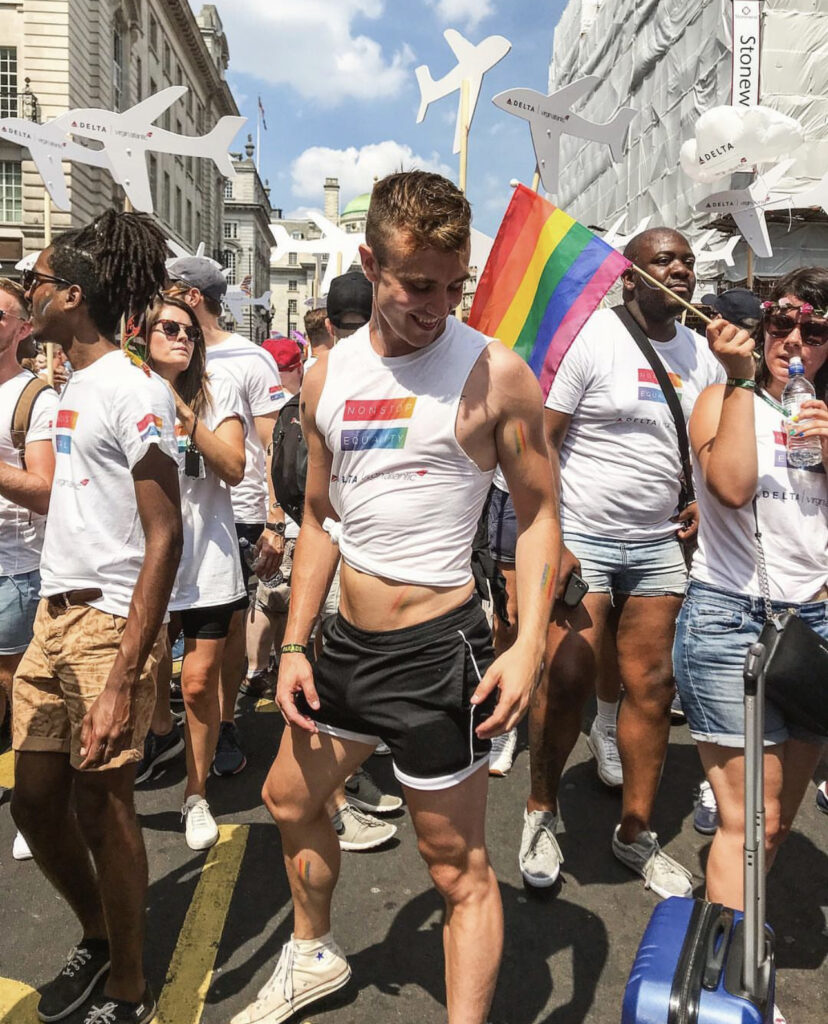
{"x":405,"y":422}
{"x":608,"y":418}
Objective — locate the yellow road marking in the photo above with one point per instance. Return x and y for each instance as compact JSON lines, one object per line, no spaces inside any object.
{"x":267,"y":706}
{"x":191,"y":968}
{"x":18,"y":1002}
{"x":7,"y":769}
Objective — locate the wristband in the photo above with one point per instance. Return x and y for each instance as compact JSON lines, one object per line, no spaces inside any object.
{"x":276,"y":528}
{"x":748,"y":383}
{"x":293,"y":649}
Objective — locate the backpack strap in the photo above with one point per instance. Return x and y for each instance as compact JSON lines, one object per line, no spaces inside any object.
{"x":22,"y":415}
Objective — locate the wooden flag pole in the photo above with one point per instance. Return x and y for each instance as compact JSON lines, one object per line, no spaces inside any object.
{"x":47,"y":241}
{"x":647,"y":277}
{"x":464,"y":133}
{"x":536,"y":179}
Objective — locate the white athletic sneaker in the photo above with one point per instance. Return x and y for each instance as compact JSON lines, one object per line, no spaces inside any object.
{"x":778,"y":1016}
{"x":305,"y":972}
{"x":603,"y":744}
{"x":20,"y":848}
{"x":357,"y":831}
{"x":200,"y":828}
{"x":540,"y":857}
{"x":665,"y":876}
{"x":502,"y":753}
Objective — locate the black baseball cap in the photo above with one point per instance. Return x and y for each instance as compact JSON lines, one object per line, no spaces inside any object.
{"x":736,"y":305}
{"x":198,"y":272}
{"x":350,"y":293}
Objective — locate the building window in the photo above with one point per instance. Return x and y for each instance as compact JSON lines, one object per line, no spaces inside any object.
{"x":118,"y":69}
{"x":296,"y":234}
{"x":292,"y":286}
{"x":179,"y":131}
{"x":153,"y":33}
{"x":139,"y":79}
{"x":179,"y":204}
{"x":188,"y":100}
{"x":293,"y":259}
{"x":293,"y":306}
{"x":8,"y":81}
{"x":153,"y":178}
{"x":230,"y":264}
{"x":231,"y":229}
{"x":11,"y":192}
{"x":188,"y":224}
{"x":166,"y":63}
{"x":198,"y":237}
{"x":153,"y":88}
{"x":228,"y":188}
{"x":179,"y":76}
{"x":188,"y":163}
{"x":165,"y":198}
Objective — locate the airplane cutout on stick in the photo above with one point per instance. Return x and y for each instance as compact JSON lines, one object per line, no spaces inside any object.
{"x":473,"y":61}
{"x":616,"y":239}
{"x":238,"y":296}
{"x":705,"y":255}
{"x":334,"y":242}
{"x":550,"y":117}
{"x":746,"y":206}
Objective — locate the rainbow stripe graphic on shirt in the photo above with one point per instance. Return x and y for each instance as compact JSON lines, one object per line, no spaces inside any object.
{"x":150,"y":426}
{"x":780,"y":455}
{"x":372,"y":410}
{"x":277,"y":393}
{"x":649,"y":390}
{"x":67,"y":420}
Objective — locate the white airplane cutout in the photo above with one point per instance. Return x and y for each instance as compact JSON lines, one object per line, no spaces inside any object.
{"x":48,"y":146}
{"x":473,"y":61}
{"x":746,"y":206}
{"x":705,"y":255}
{"x":238,"y":296}
{"x":127,"y":137}
{"x":179,"y":250}
{"x":334,"y":242}
{"x":814,"y":195}
{"x":549,"y":118}
{"x":619,"y":241}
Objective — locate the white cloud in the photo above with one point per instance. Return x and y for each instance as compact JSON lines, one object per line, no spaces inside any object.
{"x":357,"y":168}
{"x":310,"y":45}
{"x":468,"y":13}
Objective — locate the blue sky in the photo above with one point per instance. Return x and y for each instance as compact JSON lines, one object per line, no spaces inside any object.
{"x":336,"y":78}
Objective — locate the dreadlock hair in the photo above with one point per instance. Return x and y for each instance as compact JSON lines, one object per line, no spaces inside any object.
{"x":118,"y":263}
{"x":192,"y":383}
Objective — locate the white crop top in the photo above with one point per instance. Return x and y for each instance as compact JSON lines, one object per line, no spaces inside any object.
{"x":408,"y":496}
{"x":792,"y":506}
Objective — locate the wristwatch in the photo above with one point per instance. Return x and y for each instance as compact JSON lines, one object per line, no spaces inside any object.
{"x":276,"y":528}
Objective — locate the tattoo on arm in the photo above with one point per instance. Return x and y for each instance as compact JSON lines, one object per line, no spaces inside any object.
{"x":547,"y":581}
{"x":520,"y":438}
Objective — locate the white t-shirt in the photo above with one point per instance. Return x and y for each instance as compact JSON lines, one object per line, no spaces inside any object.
{"x":620,"y":463}
{"x":792,"y":506}
{"x":209,"y":573}
{"x":21,"y":531}
{"x":110,"y":414}
{"x":256,"y":376}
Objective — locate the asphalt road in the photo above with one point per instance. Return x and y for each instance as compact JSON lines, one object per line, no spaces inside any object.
{"x":216,"y":921}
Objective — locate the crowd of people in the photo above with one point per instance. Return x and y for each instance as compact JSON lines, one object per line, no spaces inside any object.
{"x":143,"y":503}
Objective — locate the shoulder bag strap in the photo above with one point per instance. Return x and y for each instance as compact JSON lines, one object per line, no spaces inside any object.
{"x":22,"y":415}
{"x":669,"y":392}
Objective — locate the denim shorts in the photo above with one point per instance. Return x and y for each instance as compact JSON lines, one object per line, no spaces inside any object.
{"x":502,"y":527}
{"x":19,"y":596}
{"x":642,"y":568}
{"x":714,"y":631}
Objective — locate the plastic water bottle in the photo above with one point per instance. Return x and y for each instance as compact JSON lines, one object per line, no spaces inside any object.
{"x":251,"y":557}
{"x":802,"y":451}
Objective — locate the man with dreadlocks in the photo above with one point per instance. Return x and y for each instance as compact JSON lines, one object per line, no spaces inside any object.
{"x":85,"y":689}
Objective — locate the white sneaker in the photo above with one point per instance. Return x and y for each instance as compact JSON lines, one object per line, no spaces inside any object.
{"x":200,"y":828}
{"x":778,"y":1016}
{"x":540,"y":857}
{"x":604,"y":746}
{"x":382,"y":749}
{"x":302,"y":976}
{"x":502,"y":753}
{"x":665,"y":876}
{"x":20,"y":848}
{"x":358,"y":831}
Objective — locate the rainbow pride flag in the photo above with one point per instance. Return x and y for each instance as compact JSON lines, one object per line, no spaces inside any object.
{"x":545,"y":276}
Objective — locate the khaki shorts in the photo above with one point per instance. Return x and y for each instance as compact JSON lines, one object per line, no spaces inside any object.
{"x":63,"y":672}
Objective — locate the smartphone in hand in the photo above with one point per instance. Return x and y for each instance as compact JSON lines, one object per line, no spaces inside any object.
{"x":574,"y":591}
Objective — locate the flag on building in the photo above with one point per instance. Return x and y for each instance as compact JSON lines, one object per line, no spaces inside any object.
{"x":245,"y":286}
{"x":545,"y":276}
{"x":262,"y":113}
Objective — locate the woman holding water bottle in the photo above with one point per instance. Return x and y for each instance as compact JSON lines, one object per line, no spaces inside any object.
{"x":751,"y":465}
{"x":209,"y":585}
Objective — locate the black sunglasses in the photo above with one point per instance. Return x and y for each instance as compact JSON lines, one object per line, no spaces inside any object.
{"x":172,"y":328}
{"x":4,"y":313}
{"x":31,"y":278}
{"x":813,"y":332}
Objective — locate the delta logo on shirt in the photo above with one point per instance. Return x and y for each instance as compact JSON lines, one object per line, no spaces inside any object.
{"x":648,"y":386}
{"x":277,"y":393}
{"x":149,"y":426}
{"x":67,"y":420}
{"x":368,"y":410}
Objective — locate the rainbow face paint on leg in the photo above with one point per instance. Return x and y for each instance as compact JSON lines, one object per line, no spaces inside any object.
{"x":304,"y":869}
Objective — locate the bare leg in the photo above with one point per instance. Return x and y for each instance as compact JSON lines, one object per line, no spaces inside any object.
{"x":306,"y":772}
{"x":645,"y":639}
{"x":450,"y":825}
{"x":265,"y":630}
{"x":232,"y":666}
{"x":8,"y":666}
{"x":200,"y":688}
{"x":608,"y":682}
{"x":41,"y":810}
{"x":106,"y":814}
{"x":502,"y":635}
{"x":557,"y":705}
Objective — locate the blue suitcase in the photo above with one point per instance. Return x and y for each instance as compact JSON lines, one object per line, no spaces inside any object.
{"x":702,"y":963}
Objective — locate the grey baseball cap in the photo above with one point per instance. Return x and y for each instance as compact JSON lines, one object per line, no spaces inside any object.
{"x":198,"y":272}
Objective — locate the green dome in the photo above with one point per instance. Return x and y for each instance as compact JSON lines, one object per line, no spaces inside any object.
{"x":358,"y":206}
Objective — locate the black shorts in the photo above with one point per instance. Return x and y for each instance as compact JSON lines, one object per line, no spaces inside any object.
{"x":411,"y":688}
{"x":207,"y":623}
{"x":251,"y":532}
{"x":502,"y":527}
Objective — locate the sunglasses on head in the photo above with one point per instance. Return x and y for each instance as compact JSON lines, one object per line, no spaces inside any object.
{"x":172,"y":329}
{"x":31,"y":278}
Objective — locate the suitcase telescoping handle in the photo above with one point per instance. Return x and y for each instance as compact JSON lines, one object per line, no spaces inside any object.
{"x":754,"y":927}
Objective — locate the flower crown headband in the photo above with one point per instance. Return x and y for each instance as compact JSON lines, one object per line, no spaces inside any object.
{"x":806,"y":309}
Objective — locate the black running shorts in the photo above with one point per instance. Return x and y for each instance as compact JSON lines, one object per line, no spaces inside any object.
{"x":411,"y":688}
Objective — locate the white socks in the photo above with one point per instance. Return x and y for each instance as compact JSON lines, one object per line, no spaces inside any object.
{"x":311,"y":945}
{"x":607,"y":713}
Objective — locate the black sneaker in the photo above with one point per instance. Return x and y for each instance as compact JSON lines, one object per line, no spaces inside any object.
{"x":157,"y":750}
{"x":363,"y":793}
{"x":72,"y":987}
{"x":229,"y":758}
{"x":105,"y":1010}
{"x":256,"y":685}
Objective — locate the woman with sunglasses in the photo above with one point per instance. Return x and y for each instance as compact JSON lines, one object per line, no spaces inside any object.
{"x":209,"y":584}
{"x":738,"y":432}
